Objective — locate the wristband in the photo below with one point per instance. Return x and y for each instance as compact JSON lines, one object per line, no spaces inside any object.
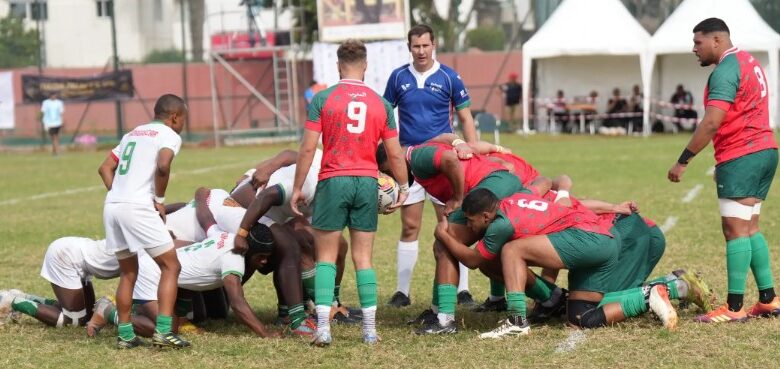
{"x":242,"y":232}
{"x":457,"y":142}
{"x":686,"y":156}
{"x":500,"y":149}
{"x":404,"y":188}
{"x":562,"y":194}
{"x":159,"y":199}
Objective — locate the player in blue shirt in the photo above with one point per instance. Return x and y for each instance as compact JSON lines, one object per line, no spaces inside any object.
{"x":426,"y":93}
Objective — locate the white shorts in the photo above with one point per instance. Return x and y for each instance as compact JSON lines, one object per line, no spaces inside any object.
{"x":148,"y":279}
{"x":64,"y":264}
{"x":417,"y":194}
{"x":133,"y":227}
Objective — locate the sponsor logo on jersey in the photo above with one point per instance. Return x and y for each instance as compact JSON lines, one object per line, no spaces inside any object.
{"x":355,"y":95}
{"x":222,"y":237}
{"x":144,"y":132}
{"x":405,"y":86}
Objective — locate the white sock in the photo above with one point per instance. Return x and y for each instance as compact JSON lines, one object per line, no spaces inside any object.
{"x":323,"y":318}
{"x":369,"y":319}
{"x":463,"y":283}
{"x":445,"y":319}
{"x":406,"y":255}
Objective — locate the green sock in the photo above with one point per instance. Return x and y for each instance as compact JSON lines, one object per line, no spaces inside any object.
{"x":539,"y":291}
{"x":759,"y":262}
{"x":126,"y":331}
{"x":366,"y":286}
{"x":336,"y":293}
{"x":297,"y":315}
{"x":40,"y":299}
{"x":497,"y":289}
{"x":324,"y":283}
{"x":112,"y":315}
{"x":307,"y":277}
{"x":515,"y":303}
{"x":25,"y":306}
{"x":164,"y":323}
{"x":447,"y":298}
{"x":435,"y":295}
{"x":632,"y":301}
{"x":657,"y":280}
{"x":738,"y":254}
{"x":674,"y":294}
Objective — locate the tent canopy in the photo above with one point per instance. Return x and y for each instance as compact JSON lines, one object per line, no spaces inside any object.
{"x":748,"y":32}
{"x":586,"y":27}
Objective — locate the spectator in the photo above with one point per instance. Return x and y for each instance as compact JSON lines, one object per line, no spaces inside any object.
{"x":51,"y":110}
{"x":683,"y":101}
{"x":592,"y":100}
{"x":635,"y":105}
{"x":513,"y":92}
{"x":314,"y":87}
{"x":616,"y":104}
{"x":559,"y":109}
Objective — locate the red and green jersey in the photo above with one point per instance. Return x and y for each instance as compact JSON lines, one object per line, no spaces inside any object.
{"x":607,"y":218}
{"x":522,"y":169}
{"x":352,"y":119}
{"x":425,"y":163}
{"x":738,"y":86}
{"x":524,"y":215}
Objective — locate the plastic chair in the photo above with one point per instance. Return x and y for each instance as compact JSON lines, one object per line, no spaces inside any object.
{"x":486,"y":122}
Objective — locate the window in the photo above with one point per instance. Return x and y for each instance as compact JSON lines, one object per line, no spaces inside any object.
{"x":18,"y":9}
{"x":105,"y":8}
{"x":39,"y":10}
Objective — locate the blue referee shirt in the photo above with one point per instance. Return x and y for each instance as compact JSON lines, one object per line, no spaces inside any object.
{"x":425,"y":100}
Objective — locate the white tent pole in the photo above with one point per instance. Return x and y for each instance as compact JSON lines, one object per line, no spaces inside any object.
{"x":647,"y":81}
{"x":774,"y":74}
{"x":526,"y":91}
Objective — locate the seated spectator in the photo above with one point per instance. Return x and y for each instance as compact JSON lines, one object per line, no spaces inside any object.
{"x":559,"y":109}
{"x":683,"y":109}
{"x":635,"y":105}
{"x":616,"y":104}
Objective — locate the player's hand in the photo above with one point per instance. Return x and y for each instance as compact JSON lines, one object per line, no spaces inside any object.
{"x":464,"y":151}
{"x":160,"y":209}
{"x":452,"y":205}
{"x":240,"y":245}
{"x":260,"y":179}
{"x":441,"y":230}
{"x":273,"y":334}
{"x":675,"y":174}
{"x":626,"y":208}
{"x":294,"y":199}
{"x":398,"y":202}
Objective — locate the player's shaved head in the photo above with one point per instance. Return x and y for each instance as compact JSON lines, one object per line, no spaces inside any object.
{"x":351,"y":52}
{"x":168,"y":105}
{"x":710,"y":25}
{"x":478,"y":201}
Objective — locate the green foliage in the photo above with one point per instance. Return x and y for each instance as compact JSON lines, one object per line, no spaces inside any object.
{"x":486,"y":38}
{"x":447,"y":27}
{"x":770,"y":11}
{"x":163,"y":56}
{"x":18,"y":47}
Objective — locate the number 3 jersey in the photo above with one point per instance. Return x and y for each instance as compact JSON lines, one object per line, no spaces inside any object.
{"x":203,"y":265}
{"x":136,"y":157}
{"x":524,"y":215}
{"x":352,"y":119}
{"x":738,"y":86}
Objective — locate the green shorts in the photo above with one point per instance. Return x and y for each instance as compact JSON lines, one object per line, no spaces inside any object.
{"x":590,"y":257}
{"x":501,"y":183}
{"x":346,"y":202}
{"x":747,"y":176}
{"x":638,"y":254}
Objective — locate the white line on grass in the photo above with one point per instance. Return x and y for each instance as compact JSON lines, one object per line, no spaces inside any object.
{"x":692,"y":193}
{"x":710,"y":171}
{"x":72,"y":191}
{"x":571,"y":342}
{"x":669,"y":224}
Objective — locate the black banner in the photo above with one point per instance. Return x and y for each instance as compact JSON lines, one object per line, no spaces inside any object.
{"x":108,"y":86}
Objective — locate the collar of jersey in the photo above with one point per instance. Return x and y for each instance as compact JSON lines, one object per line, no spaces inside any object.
{"x":352,"y":82}
{"x":728,"y":52}
{"x":421,"y":77}
{"x":157,"y":121}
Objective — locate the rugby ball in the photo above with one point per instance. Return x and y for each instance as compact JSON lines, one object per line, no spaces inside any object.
{"x":388,"y":192}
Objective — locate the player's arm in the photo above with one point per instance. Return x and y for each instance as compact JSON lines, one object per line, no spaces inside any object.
{"x":264,"y":170}
{"x":540,"y":185}
{"x":705,"y":131}
{"x":268,"y":197}
{"x":305,"y":158}
{"x":464,"y":149}
{"x":161,"y":175}
{"x":170,"y":208}
{"x":450,"y":165}
{"x":244,"y":313}
{"x":467,"y":124}
{"x":398,"y":165}
{"x":107,"y":170}
{"x":469,"y":257}
{"x":563,"y":184}
{"x":202,"y":212}
{"x":603,"y":207}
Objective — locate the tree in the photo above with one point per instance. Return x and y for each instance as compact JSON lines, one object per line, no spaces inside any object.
{"x":770,"y":11}
{"x":448,"y":28}
{"x":18,"y":48}
{"x":197,"y":15}
{"x":486,"y":38}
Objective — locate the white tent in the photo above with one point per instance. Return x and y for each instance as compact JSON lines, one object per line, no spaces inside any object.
{"x":671,"y":47}
{"x":587,"y":45}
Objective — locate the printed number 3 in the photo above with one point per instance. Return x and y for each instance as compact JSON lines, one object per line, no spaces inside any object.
{"x":761,"y":80}
{"x":127,"y":156}
{"x":537,"y":205}
{"x":356,"y":110}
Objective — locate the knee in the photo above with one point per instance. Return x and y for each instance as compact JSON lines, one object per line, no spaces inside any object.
{"x":410,"y":231}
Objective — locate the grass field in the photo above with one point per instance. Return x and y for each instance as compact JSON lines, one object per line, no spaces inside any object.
{"x":43,"y":198}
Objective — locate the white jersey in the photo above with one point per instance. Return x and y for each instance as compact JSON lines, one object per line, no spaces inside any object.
{"x":136,"y":156}
{"x":284,"y":178}
{"x":184,"y":222}
{"x":98,"y":260}
{"x":203,"y":265}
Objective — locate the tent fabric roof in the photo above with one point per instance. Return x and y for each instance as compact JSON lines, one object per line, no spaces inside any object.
{"x":588,"y":27}
{"x":748,"y":30}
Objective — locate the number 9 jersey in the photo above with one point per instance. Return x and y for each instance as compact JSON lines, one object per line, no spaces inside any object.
{"x":136,"y":157}
{"x":352,"y":119}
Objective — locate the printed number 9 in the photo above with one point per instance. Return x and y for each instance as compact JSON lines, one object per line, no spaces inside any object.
{"x":761,"y":80}
{"x":127,"y":156}
{"x":537,"y":205}
{"x":356,"y":110}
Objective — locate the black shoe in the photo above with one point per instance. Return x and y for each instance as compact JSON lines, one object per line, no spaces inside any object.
{"x":465,"y":299}
{"x":399,"y":299}
{"x":169,"y":339}
{"x":553,"y":308}
{"x":426,"y":317}
{"x":133,"y":343}
{"x":436,"y":328}
{"x":340,"y":318}
{"x":488,"y":305}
